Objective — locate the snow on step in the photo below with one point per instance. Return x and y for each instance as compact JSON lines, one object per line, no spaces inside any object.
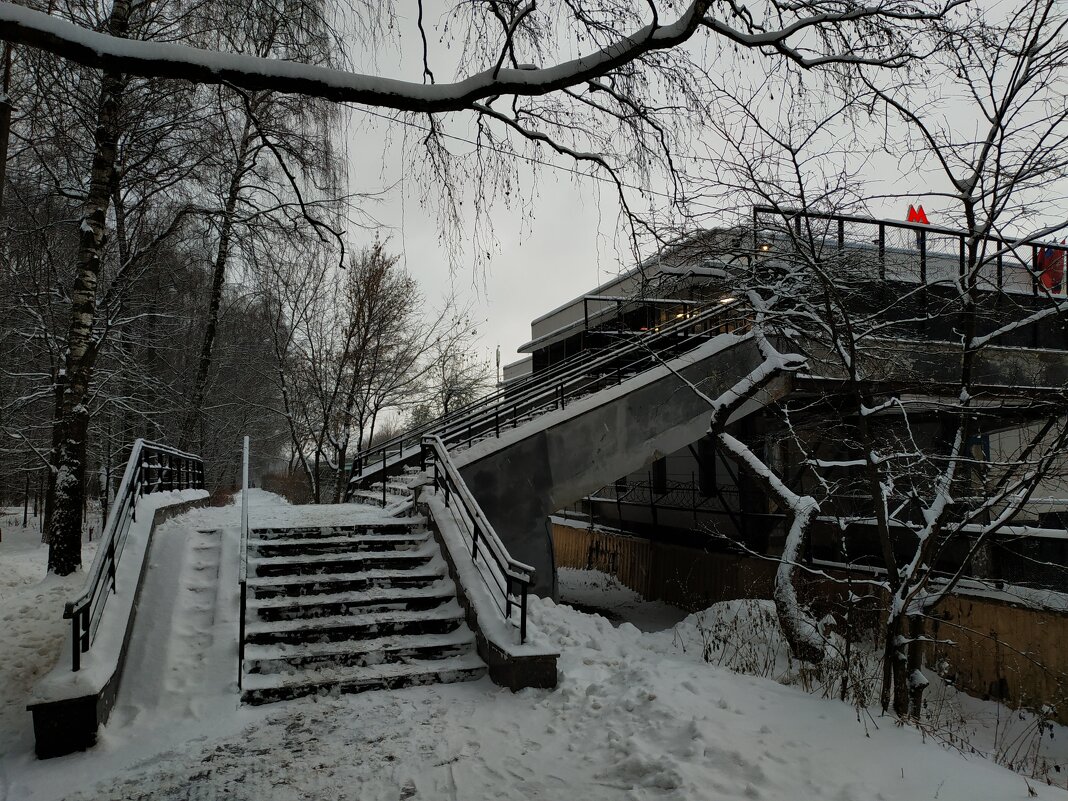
{"x":288,"y":657}
{"x":443,"y":588}
{"x":448,"y":611}
{"x":353,"y":541}
{"x":351,"y":609}
{"x":424,"y":550}
{"x":387,"y":527}
{"x":265,"y":652}
{"x":431,"y":571}
{"x":264,"y":687}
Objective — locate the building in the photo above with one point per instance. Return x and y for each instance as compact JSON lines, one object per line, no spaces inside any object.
{"x":904,"y":276}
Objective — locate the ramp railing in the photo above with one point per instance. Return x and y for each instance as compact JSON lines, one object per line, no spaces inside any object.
{"x":151,"y":468}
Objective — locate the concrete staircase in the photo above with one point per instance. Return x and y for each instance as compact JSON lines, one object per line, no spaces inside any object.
{"x":351,"y":608}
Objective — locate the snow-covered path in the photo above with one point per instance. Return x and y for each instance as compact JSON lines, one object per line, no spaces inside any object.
{"x":632,"y":718}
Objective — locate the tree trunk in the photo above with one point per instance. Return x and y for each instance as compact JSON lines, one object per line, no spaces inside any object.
{"x":917,"y":683}
{"x":71,"y":424}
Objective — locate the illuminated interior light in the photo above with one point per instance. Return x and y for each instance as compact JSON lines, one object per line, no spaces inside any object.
{"x":765,"y":247}
{"x":727,"y":300}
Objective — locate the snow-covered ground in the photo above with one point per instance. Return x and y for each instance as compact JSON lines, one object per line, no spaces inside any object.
{"x":636,"y":716}
{"x":600,"y":593}
{"x":32,"y":628}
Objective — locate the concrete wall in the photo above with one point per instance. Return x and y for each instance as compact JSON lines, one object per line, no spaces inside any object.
{"x":580,"y":449}
{"x":1002,"y":650}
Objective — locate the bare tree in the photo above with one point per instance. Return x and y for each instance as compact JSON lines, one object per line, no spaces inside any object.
{"x":625,"y":104}
{"x":888,"y":445}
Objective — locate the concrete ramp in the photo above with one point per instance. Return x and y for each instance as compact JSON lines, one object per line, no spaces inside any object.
{"x":523,"y":476}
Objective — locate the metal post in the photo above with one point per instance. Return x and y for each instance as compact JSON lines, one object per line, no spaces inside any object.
{"x":76,"y":649}
{"x":1034,"y":269}
{"x":882,"y":251}
{"x":244,"y":486}
{"x":523,"y":614}
{"x":922,"y":236}
{"x":241,"y":627}
{"x":111,"y":564}
{"x":383,"y":478}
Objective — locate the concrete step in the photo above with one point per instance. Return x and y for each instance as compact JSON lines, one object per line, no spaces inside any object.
{"x":340,"y":544}
{"x":386,"y":526}
{"x":291,"y":586}
{"x":347,"y":602}
{"x":439,"y":620}
{"x":311,"y":564}
{"x":290,"y":657}
{"x":260,"y":688}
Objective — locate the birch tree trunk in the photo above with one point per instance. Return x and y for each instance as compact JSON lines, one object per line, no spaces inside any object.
{"x":71,"y":422}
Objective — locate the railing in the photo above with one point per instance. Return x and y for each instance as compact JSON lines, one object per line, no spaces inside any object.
{"x":151,"y":468}
{"x":508,"y":580}
{"x":670,"y":494}
{"x":554,"y":390}
{"x":913,"y":252}
{"x":242,"y":569}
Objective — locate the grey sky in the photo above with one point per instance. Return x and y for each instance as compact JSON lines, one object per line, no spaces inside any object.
{"x":559,"y":240}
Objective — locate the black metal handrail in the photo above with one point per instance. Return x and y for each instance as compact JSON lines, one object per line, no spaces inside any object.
{"x":151,"y":468}
{"x":552,"y":391}
{"x":242,"y":569}
{"x":579,"y":364}
{"x":508,"y":579}
{"x":920,"y":245}
{"x":408,"y":440}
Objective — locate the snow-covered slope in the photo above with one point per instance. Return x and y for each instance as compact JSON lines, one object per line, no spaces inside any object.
{"x":633,"y":718}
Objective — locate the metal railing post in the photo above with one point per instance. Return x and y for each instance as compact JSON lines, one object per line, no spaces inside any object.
{"x":244,"y":487}
{"x":523,"y":613}
{"x":241,"y":638}
{"x":75,"y":644}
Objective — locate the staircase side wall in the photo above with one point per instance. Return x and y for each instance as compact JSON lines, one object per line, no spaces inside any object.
{"x":519,"y":485}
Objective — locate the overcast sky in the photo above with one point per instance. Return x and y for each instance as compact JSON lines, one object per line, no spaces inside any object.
{"x":558,"y":241}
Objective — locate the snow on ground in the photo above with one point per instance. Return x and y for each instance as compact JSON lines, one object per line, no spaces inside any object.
{"x":636,"y":716}
{"x":600,"y":593}
{"x":32,"y":627}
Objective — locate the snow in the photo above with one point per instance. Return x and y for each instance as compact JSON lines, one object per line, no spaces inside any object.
{"x":503,"y":633}
{"x":601,"y":593}
{"x":87,"y":46}
{"x":99,"y":663}
{"x":32,"y":629}
{"x":635,"y":716}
